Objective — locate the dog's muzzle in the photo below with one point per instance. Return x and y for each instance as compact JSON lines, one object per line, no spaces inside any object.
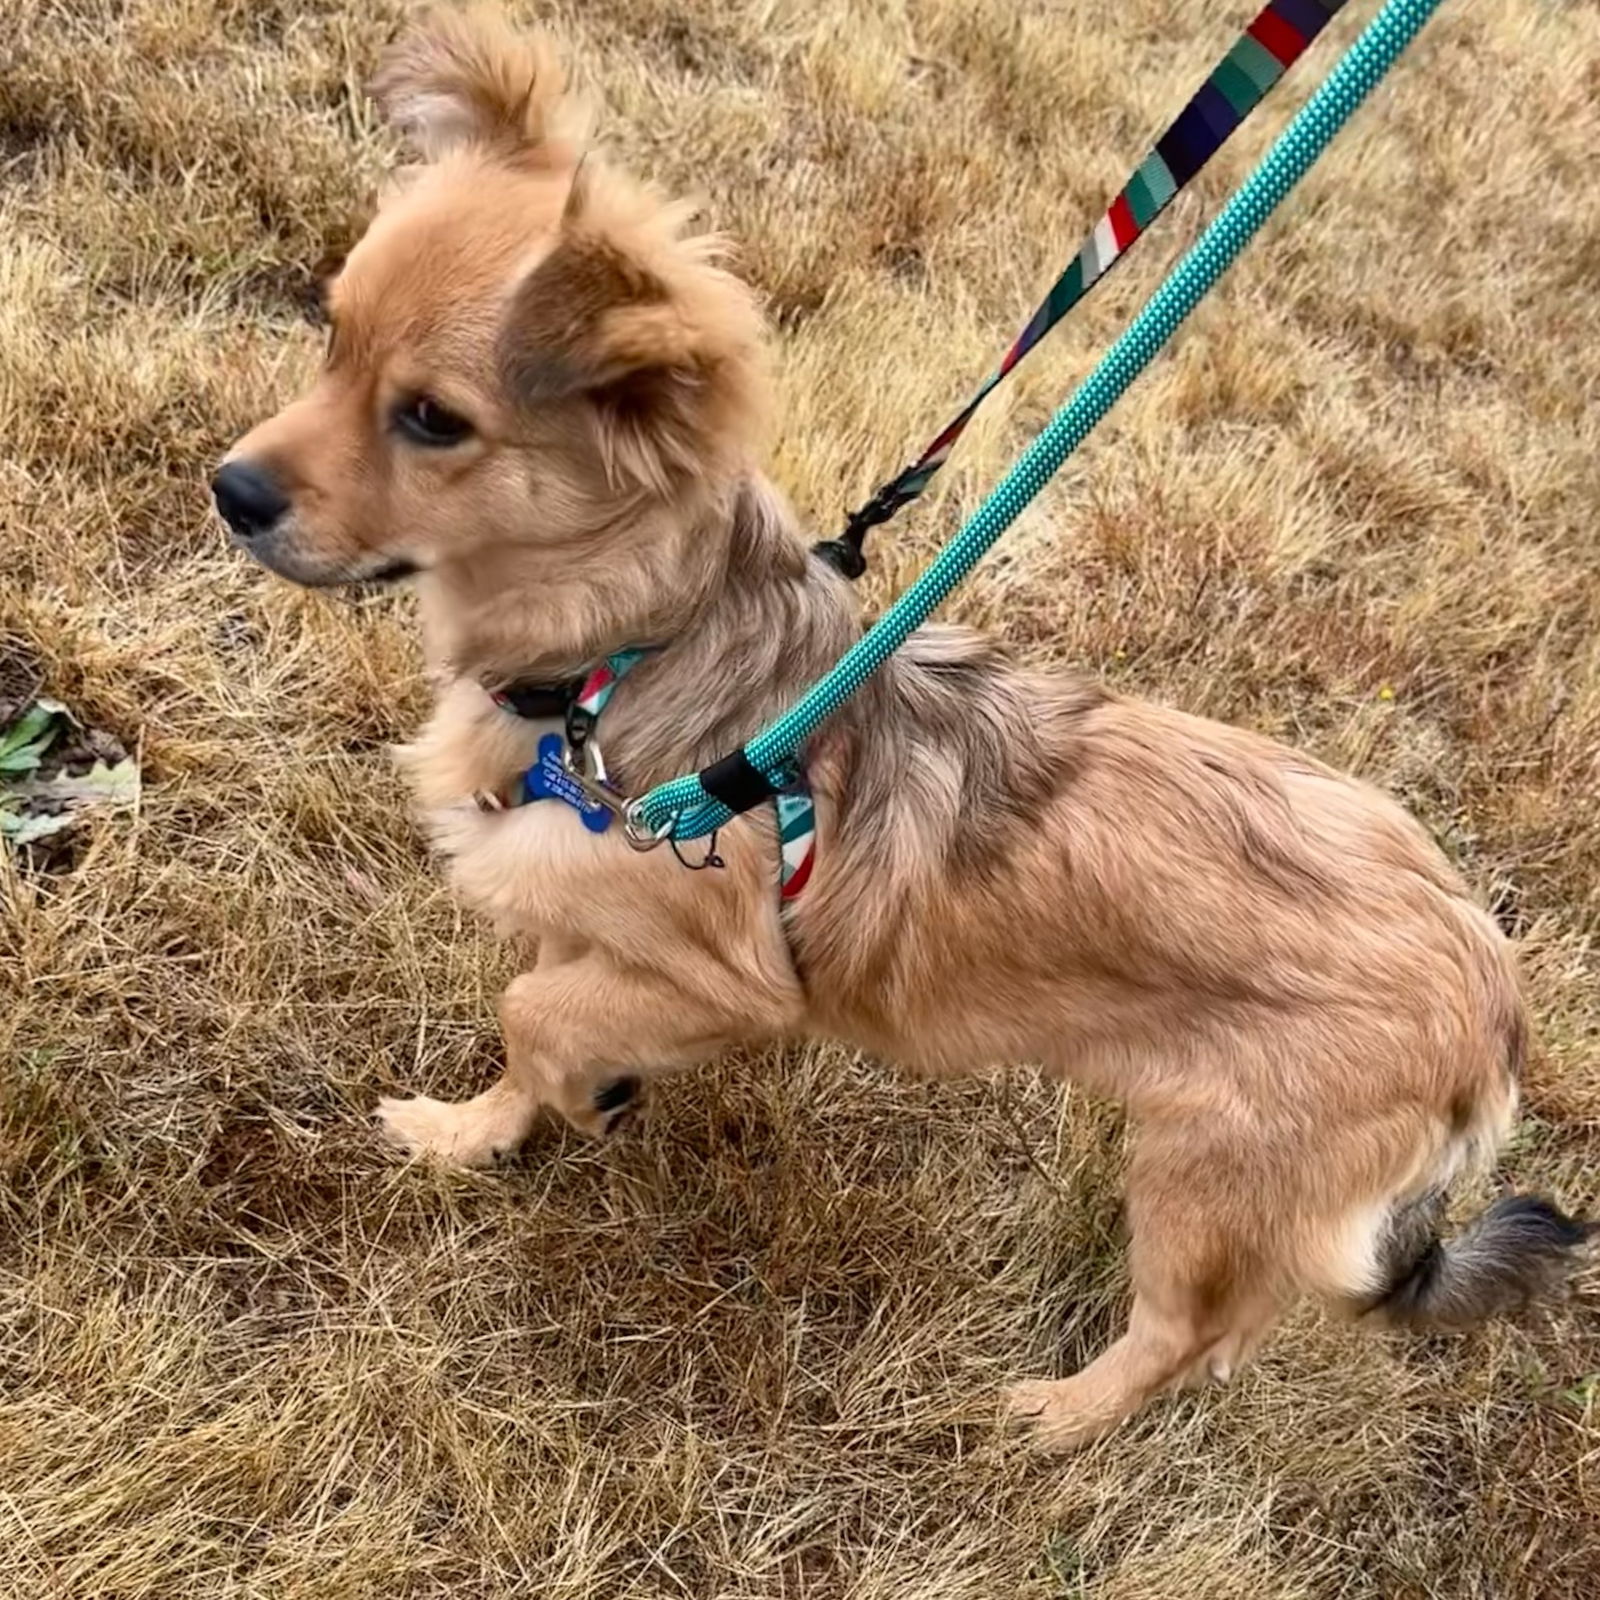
{"x":260,"y":519}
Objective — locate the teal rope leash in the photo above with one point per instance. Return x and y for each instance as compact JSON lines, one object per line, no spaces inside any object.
{"x":684,"y":807}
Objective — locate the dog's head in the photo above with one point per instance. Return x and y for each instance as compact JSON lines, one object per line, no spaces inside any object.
{"x":526,"y":354}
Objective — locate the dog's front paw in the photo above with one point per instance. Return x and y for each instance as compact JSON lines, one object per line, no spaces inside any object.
{"x":1046,"y":1411}
{"x":466,"y":1135}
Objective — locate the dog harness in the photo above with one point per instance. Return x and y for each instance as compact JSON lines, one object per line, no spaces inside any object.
{"x":571,"y":769}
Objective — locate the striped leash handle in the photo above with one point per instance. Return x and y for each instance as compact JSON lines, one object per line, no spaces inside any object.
{"x":1239,"y":82}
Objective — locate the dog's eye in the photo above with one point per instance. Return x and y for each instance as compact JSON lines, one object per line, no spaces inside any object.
{"x":424,"y":421}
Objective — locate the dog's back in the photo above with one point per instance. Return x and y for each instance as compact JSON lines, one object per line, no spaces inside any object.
{"x":1268,"y":961}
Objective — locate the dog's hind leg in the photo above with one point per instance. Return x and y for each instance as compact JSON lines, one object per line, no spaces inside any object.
{"x":1204,"y":1293}
{"x":579,"y":1034}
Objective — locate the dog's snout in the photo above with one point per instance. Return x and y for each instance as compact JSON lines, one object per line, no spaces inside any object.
{"x":248,"y":498}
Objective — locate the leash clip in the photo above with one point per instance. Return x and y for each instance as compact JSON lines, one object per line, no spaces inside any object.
{"x":587,"y":768}
{"x":641,"y":836}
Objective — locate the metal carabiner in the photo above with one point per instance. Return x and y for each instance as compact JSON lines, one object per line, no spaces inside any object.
{"x":584,"y":764}
{"x":587,"y":768}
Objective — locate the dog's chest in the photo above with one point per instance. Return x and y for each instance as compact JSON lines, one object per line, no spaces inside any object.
{"x":524,"y":862}
{"x":532,"y":867}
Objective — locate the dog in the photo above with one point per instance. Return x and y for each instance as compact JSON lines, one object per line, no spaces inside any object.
{"x":543,"y":399}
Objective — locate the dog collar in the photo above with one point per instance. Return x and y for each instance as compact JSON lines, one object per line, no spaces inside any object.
{"x":578,"y":701}
{"x":538,"y":701}
{"x":570,"y":765}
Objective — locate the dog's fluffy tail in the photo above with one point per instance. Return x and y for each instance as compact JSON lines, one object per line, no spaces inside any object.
{"x":1520,"y":1250}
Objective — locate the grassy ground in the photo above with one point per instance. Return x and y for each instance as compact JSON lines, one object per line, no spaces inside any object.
{"x":752,"y":1351}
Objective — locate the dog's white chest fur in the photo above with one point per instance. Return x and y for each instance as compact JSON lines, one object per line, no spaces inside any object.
{"x":526,"y":866}
{"x":523,"y":866}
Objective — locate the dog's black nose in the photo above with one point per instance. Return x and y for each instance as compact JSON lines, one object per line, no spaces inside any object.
{"x":248,"y":498}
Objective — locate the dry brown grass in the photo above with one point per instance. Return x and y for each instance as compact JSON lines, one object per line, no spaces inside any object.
{"x":752,"y":1350}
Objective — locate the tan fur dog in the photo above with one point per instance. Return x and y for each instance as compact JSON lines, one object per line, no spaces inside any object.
{"x":543,"y":399}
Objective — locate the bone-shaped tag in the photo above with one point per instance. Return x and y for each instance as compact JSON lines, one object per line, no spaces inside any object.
{"x":548,"y":779}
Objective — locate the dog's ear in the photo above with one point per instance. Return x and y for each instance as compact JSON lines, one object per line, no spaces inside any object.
{"x":669,"y":359}
{"x":465,"y":78}
{"x":585,"y":317}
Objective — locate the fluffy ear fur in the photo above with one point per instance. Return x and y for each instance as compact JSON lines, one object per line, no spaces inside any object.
{"x":665,"y":345}
{"x":585,"y":317}
{"x":465,"y":79}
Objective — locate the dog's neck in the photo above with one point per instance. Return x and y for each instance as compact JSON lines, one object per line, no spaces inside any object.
{"x":739,"y":616}
{"x":521,"y":612}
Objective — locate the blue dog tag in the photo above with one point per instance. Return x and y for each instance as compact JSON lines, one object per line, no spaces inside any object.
{"x":548,"y":779}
